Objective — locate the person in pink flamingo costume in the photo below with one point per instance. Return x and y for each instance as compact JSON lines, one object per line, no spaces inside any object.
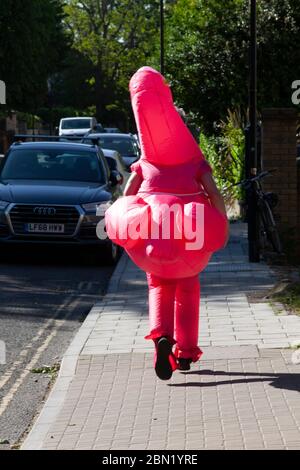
{"x":171,"y":173}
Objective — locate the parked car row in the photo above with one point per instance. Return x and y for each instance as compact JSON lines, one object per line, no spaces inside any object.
{"x":125,"y":144}
{"x":79,"y":126}
{"x":57,"y":192}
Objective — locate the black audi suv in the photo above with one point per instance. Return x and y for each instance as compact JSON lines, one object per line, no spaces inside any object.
{"x":57,"y":193}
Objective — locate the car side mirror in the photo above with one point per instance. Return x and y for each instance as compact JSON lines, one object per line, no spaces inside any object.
{"x":116,"y":178}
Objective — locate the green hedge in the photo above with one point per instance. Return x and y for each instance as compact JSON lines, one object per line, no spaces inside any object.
{"x":225,"y":151}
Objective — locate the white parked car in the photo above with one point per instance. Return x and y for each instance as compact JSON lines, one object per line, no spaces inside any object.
{"x":77,"y":126}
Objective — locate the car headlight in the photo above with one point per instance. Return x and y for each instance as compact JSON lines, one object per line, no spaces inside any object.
{"x":98,"y":208}
{"x":3,"y":205}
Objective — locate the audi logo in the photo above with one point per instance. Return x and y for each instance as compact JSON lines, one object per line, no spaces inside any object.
{"x":44,"y":210}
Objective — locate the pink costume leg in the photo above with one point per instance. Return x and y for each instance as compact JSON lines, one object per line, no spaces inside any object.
{"x":161,"y":319}
{"x":187,"y":301}
{"x":161,"y":307}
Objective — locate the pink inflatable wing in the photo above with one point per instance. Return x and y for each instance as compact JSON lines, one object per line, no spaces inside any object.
{"x":163,"y":135}
{"x":127,"y":221}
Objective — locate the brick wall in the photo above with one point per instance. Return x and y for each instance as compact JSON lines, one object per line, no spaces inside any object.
{"x":279,"y":151}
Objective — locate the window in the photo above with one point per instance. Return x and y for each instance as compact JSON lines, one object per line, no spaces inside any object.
{"x":123,"y":146}
{"x":58,"y":164}
{"x":76,"y":124}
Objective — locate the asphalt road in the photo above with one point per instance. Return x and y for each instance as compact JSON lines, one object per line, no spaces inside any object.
{"x":44,"y":297}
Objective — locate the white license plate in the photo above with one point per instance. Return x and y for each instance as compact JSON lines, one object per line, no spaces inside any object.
{"x":45,"y":228}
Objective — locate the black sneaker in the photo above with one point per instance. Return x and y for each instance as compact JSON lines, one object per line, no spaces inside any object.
{"x":184,"y":364}
{"x":163,"y":367}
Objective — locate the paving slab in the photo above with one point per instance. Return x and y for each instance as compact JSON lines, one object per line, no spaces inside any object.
{"x":243,"y":394}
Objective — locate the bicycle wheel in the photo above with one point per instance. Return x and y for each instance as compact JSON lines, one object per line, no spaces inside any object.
{"x":269,"y":225}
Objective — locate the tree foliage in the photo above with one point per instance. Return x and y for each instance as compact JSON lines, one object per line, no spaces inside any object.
{"x":71,"y":86}
{"x":226,"y":154}
{"x":278,"y":51}
{"x":117,"y":37}
{"x":32,"y":44}
{"x":208,"y":54}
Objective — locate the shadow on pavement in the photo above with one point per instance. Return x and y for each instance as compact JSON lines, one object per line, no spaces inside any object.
{"x":281,"y":381}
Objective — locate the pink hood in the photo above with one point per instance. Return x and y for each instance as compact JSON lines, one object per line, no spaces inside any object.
{"x":165,"y":139}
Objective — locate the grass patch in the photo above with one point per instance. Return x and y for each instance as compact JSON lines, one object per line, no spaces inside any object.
{"x":4,"y":441}
{"x":289,"y":297}
{"x":51,"y":371}
{"x":15,"y":446}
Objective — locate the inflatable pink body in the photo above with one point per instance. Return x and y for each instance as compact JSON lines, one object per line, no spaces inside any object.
{"x":169,"y":228}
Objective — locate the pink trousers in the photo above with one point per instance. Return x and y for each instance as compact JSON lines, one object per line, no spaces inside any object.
{"x":174,"y":313}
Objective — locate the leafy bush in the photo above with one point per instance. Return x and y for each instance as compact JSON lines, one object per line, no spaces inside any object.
{"x":226,"y":154}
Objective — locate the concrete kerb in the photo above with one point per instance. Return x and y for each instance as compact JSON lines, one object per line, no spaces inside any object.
{"x":52,"y":407}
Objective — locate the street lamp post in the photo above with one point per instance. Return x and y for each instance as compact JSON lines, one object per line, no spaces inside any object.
{"x":253,"y":91}
{"x":252,"y":154}
{"x":162,"y":49}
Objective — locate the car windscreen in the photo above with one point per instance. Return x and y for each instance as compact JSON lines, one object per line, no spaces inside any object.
{"x":76,"y":124}
{"x":123,"y":146}
{"x":58,"y":164}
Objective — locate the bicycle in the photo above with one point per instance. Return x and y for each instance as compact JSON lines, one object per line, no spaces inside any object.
{"x":264,"y":203}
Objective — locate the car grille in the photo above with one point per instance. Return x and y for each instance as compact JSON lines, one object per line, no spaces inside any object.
{"x":22,"y":214}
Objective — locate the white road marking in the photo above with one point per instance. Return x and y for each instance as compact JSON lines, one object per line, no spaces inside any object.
{"x":12,"y":391}
{"x":7,"y":375}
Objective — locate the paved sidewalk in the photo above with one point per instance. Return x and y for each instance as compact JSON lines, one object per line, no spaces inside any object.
{"x":244,"y":394}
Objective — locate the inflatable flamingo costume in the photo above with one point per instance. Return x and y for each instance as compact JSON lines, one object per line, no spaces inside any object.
{"x":169,"y":228}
